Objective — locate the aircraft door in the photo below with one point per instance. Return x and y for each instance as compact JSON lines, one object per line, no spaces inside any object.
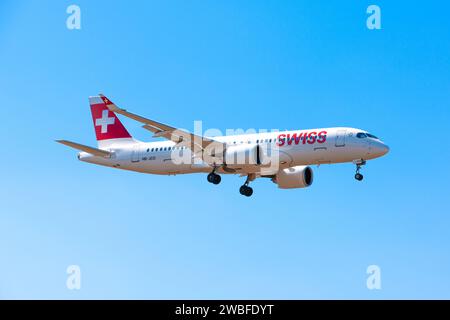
{"x":135,"y":153}
{"x":340,"y":138}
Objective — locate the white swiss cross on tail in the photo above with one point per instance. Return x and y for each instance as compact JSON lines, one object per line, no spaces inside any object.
{"x":104,"y":121}
{"x":107,"y":125}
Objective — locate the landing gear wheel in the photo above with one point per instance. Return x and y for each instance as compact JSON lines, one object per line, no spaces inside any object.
{"x":359,"y":164}
{"x":217,"y":179}
{"x":214,"y":178}
{"x":246,"y":190}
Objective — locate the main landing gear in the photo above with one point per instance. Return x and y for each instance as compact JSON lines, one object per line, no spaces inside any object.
{"x":214,"y":178}
{"x":359,"y":164}
{"x":245,"y":190}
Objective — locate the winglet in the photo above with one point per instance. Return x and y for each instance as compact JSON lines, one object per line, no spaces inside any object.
{"x":109,"y":104}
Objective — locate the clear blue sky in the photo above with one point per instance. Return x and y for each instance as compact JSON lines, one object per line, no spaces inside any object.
{"x":231,"y":64}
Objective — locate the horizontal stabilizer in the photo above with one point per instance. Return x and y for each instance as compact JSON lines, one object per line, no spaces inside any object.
{"x":82,"y":147}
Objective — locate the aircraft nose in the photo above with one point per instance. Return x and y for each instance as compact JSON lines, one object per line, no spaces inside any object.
{"x":382,"y":149}
{"x":385,"y":149}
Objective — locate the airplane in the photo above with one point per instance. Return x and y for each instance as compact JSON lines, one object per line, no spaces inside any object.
{"x":284,"y":156}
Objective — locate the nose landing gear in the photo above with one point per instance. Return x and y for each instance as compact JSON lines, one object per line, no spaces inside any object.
{"x":359,"y":164}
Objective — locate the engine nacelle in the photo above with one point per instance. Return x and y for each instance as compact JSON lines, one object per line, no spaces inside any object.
{"x":294,"y":177}
{"x":243,"y":155}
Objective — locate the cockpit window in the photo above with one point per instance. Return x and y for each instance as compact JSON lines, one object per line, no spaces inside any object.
{"x":361,"y":135}
{"x":372,"y":136}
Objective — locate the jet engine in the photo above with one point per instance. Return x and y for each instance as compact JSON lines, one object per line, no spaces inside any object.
{"x":294,"y":177}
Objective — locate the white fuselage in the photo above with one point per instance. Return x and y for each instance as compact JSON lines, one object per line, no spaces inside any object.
{"x":295,"y":148}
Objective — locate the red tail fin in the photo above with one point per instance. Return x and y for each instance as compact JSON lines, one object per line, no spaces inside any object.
{"x":107,"y":125}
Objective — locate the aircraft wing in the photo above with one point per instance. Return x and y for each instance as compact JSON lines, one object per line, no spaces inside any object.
{"x":82,"y":147}
{"x":176,"y":135}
